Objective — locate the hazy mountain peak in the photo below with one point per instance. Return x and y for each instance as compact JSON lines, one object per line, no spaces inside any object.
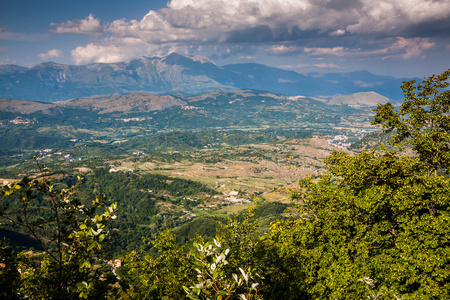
{"x":176,"y":59}
{"x":50,"y":64}
{"x":201,"y":59}
{"x":177,"y":74}
{"x":5,"y":69}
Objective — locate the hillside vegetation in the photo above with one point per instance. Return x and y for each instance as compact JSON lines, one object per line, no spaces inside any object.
{"x":368,"y":225}
{"x":124,"y":125}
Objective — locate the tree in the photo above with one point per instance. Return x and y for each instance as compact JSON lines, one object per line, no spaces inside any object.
{"x":376,"y":215}
{"x":213,"y":280}
{"x":9,"y":274}
{"x":71,"y":234}
{"x":227,"y":268}
{"x":423,"y":120}
{"x":160,"y":275}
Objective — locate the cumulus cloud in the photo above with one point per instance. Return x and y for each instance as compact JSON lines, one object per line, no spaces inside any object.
{"x":413,"y":47}
{"x":405,"y":48}
{"x":121,"y":49}
{"x":395,"y":16}
{"x":51,"y":54}
{"x":283,"y":50}
{"x":88,"y":25}
{"x":109,"y":53}
{"x":220,"y":20}
{"x":185,"y":23}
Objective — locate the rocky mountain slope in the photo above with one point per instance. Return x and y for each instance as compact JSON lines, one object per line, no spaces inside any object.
{"x":179,"y":75}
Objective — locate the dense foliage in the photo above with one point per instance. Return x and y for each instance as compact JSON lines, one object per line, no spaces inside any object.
{"x":72,"y":234}
{"x":372,"y":215}
{"x":375,"y":224}
{"x":423,"y":120}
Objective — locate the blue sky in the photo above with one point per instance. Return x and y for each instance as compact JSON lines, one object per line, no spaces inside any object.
{"x":402,"y":38}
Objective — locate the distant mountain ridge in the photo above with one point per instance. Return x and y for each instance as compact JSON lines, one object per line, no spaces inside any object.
{"x":179,"y":75}
{"x":27,"y":125}
{"x":360,"y":99}
{"x":144,"y":102}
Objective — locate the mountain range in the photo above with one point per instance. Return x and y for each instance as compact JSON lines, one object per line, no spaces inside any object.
{"x":136,"y":103}
{"x":179,"y":75}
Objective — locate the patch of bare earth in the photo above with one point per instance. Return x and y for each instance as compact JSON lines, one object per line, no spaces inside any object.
{"x":250,"y":174}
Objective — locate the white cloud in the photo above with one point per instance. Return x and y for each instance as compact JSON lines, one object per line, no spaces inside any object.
{"x":88,"y":25}
{"x":328,"y":66}
{"x":306,"y":66}
{"x":187,"y":23}
{"x":413,"y":47}
{"x":51,"y":54}
{"x":333,"y":16}
{"x":404,"y":48}
{"x":388,"y":15}
{"x":101,"y":53}
{"x":337,"y":32}
{"x":334,"y":51}
{"x":121,"y":49}
{"x":282,"y":49}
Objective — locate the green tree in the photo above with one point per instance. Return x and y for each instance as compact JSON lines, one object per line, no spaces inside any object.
{"x":9,"y":274}
{"x":73,"y":236}
{"x":158,"y":275}
{"x":260,"y":255}
{"x":423,"y":120}
{"x":212,"y":280}
{"x":206,"y":269}
{"x":376,"y":215}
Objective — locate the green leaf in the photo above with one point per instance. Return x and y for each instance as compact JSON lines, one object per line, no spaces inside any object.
{"x":91,"y":246}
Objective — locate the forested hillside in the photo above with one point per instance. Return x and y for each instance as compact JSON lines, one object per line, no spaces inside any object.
{"x":369,"y":225}
{"x":147,"y":124}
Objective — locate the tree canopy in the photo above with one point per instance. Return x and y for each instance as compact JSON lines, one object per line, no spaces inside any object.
{"x":423,"y":119}
{"x":374,"y":224}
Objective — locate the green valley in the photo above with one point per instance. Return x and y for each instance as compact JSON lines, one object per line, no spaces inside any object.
{"x":227,"y":195}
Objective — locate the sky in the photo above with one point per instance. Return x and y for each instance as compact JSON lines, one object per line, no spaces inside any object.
{"x":400,"y":38}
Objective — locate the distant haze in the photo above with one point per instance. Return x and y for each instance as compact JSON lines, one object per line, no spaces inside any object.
{"x":179,"y":75}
